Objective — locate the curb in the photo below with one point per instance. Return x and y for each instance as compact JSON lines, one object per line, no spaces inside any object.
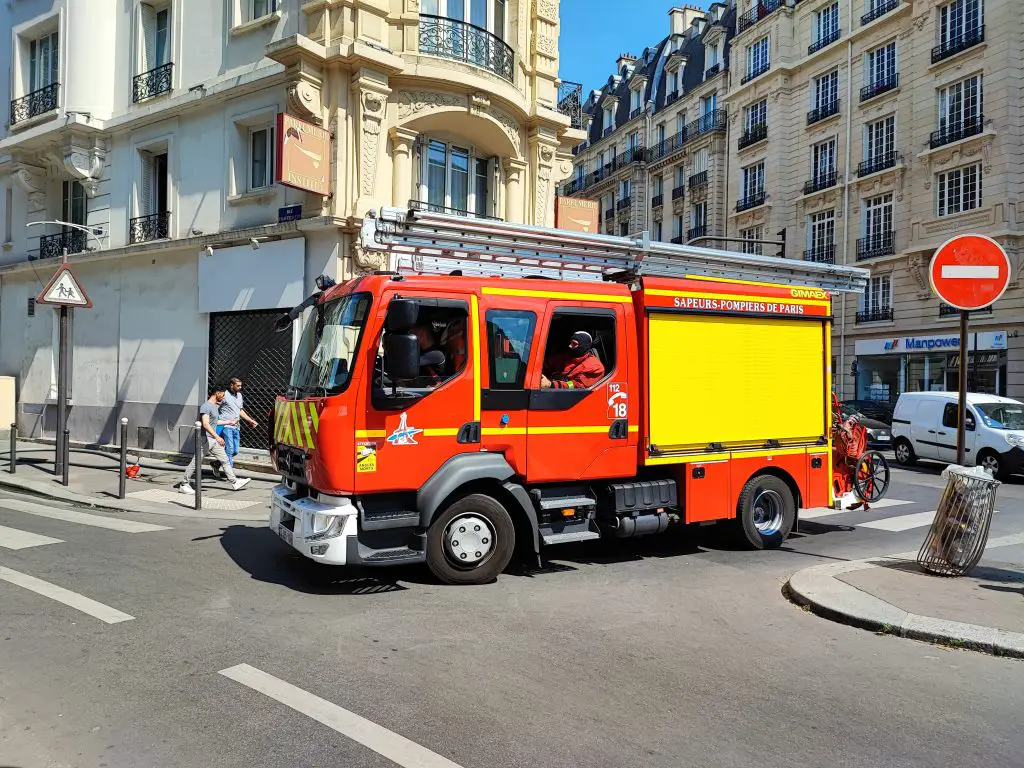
{"x":818,"y":589}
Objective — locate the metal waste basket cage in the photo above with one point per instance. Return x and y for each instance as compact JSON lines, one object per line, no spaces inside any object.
{"x":959,"y":532}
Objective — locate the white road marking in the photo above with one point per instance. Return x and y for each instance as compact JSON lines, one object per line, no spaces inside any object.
{"x":12,"y":538}
{"x":812,"y":514}
{"x":83,"y":518}
{"x":395,"y":748}
{"x":901,"y":523}
{"x":954,"y":272}
{"x":66,"y":596}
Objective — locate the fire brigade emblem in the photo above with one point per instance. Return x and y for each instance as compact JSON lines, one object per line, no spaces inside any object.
{"x":404,"y":434}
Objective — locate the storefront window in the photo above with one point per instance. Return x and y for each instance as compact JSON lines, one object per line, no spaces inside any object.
{"x":926,"y":373}
{"x":878,"y":378}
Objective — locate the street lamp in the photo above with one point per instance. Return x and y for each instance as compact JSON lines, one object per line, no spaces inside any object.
{"x":93,"y":232}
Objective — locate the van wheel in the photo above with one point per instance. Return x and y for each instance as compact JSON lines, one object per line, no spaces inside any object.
{"x":471,"y":542}
{"x":904,"y":452}
{"x":990,"y":461}
{"x":766,"y":511}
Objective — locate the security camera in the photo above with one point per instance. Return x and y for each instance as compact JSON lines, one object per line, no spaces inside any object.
{"x":254,"y":243}
{"x":209,"y":250}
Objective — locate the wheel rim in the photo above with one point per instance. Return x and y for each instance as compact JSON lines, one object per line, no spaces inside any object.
{"x":872,"y":476}
{"x":768,"y":512}
{"x":991,"y":463}
{"x":902,"y":453}
{"x":468,"y":541}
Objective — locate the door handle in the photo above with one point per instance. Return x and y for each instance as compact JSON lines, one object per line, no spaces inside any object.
{"x":619,"y":429}
{"x":931,"y":431}
{"x":942,"y":433}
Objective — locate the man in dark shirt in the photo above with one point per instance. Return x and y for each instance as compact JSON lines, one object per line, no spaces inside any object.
{"x":432,"y":357}
{"x":576,"y":368}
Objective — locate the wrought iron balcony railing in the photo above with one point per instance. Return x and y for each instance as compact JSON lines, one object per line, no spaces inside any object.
{"x":677,"y":240}
{"x":52,"y":246}
{"x":152,"y":83}
{"x":753,"y":135}
{"x":755,"y":14}
{"x":819,"y":182}
{"x":878,"y":163}
{"x":751,"y":201}
{"x":695,"y":232}
{"x":698,"y":180}
{"x":713,"y":70}
{"x":623,"y":204}
{"x":755,"y":72}
{"x":873,"y":246}
{"x":635,"y":113}
{"x":875,"y":315}
{"x":955,"y":45}
{"x":631,"y":155}
{"x":609,"y":214}
{"x":823,"y":254}
{"x":607,"y":131}
{"x":879,"y":86}
{"x":570,"y":103}
{"x":657,"y":201}
{"x":678,"y":193}
{"x":672,"y":97}
{"x":461,"y":41}
{"x":964,"y":129}
{"x":824,"y":41}
{"x":710,"y":122}
{"x":945,"y":310}
{"x":34,"y":104}
{"x":825,"y":110}
{"x":156,"y":226}
{"x":881,"y":8}
{"x":420,"y":205}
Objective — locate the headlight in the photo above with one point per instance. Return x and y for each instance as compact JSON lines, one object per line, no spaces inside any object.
{"x":1015,"y":440}
{"x":871,"y":432}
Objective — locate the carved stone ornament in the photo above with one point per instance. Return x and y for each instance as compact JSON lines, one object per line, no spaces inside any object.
{"x":547,"y":10}
{"x":547,"y":45}
{"x":508,"y":125}
{"x":304,"y":101}
{"x":372,"y":104}
{"x":32,"y":179}
{"x":413,"y":102}
{"x":918,"y":268}
{"x":86,"y":165}
{"x":368,"y":261}
{"x":543,"y":193}
{"x":478,"y":102}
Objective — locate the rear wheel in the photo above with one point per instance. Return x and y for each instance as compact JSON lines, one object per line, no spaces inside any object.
{"x":766,"y":511}
{"x":904,"y":452}
{"x":471,"y":542}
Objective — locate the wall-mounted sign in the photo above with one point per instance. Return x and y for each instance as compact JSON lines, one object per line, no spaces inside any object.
{"x":289,"y":213}
{"x":982,"y":341}
{"x":576,"y":214}
{"x":303,"y":155}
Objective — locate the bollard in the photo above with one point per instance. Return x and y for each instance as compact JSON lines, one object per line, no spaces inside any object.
{"x":66,"y":466}
{"x":198,"y":478}
{"x":124,"y":459}
{"x":14,"y":449}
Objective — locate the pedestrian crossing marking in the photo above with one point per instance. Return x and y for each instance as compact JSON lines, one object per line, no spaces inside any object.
{"x":65,"y":596}
{"x":82,"y":518}
{"x":901,"y":522}
{"x":12,"y":538}
{"x":816,"y":512}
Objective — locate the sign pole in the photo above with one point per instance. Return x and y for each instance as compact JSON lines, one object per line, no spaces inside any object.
{"x":961,"y":417}
{"x":62,"y":389}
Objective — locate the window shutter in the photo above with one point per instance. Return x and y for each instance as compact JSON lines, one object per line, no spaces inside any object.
{"x":148,"y":39}
{"x":146,"y":206}
{"x":494,"y":187}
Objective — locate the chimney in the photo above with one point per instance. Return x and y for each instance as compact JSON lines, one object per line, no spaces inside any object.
{"x":682,"y":17}
{"x":625,"y":60}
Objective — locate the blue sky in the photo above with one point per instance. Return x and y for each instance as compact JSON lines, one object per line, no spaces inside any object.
{"x":595,"y":32}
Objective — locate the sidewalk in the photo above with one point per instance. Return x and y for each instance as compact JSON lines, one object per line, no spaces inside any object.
{"x":983,"y":611}
{"x":93,"y":482}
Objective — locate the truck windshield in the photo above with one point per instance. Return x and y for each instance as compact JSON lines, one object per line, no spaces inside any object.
{"x":1002,"y":415}
{"x":326,"y":353}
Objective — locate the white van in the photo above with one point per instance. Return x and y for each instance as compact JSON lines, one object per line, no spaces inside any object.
{"x":924,"y":427}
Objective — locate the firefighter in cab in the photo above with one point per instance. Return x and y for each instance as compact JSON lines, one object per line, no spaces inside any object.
{"x":578,"y":367}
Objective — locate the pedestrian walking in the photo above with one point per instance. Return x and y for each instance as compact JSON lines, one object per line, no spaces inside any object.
{"x":232,"y":411}
{"x":209,"y":413}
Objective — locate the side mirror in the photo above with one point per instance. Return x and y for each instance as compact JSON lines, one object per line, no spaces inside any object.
{"x":970,"y":424}
{"x":401,"y":356}
{"x":402,"y":315}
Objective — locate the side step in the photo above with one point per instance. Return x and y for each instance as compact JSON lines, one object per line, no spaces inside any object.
{"x":581,"y":531}
{"x":390,"y":556}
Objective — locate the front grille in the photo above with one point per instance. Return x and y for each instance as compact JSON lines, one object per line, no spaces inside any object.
{"x":291,"y":463}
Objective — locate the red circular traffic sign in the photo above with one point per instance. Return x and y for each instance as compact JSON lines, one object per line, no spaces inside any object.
{"x":969,"y":271}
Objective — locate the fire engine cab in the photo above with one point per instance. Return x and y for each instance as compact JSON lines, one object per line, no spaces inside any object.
{"x":440,"y":418}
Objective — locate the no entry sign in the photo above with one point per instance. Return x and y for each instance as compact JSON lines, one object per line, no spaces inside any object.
{"x":970,"y":272}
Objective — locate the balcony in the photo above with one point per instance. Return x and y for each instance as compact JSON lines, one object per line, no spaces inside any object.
{"x":753,"y":135}
{"x":34,"y":104}
{"x":879,"y":162}
{"x":971,"y":126}
{"x":750,"y":201}
{"x":152,"y":83}
{"x":635,"y":113}
{"x":755,"y":14}
{"x":879,"y":315}
{"x":712,"y":121}
{"x":713,"y":70}
{"x":823,"y":254}
{"x":572,"y":187}
{"x":459,"y":41}
{"x":672,"y":97}
{"x":607,"y":131}
{"x":820,"y":113}
{"x":881,"y":8}
{"x":678,"y":193}
{"x":657,"y":201}
{"x":570,"y":103}
{"x":873,"y":246}
{"x":156,"y":226}
{"x":947,"y":311}
{"x":694,"y":232}
{"x":677,"y":240}
{"x":609,"y":214}
{"x":631,"y":155}
{"x":698,"y":180}
{"x":879,"y":86}
{"x":623,"y":204}
{"x":53,"y":246}
{"x":819,"y":182}
{"x":955,"y":45}
{"x":755,"y":73}
{"x":824,"y":41}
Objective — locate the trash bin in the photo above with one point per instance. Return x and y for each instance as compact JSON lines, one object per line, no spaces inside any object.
{"x":959,"y":532}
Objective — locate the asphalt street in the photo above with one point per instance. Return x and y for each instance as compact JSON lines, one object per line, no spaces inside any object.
{"x":182,"y":642}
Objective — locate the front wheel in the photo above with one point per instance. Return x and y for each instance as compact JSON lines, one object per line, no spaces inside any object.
{"x":766,"y":511}
{"x":990,"y":462}
{"x":471,"y":542}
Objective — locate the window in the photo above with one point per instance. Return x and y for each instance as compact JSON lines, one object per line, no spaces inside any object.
{"x":599,"y":323}
{"x":960,"y":104}
{"x":880,"y":138}
{"x":708,"y":104}
{"x":878,"y":217}
{"x":260,"y":8}
{"x":822,"y":232}
{"x":43,"y":55}
{"x":959,"y":190}
{"x":753,"y":180}
{"x":701,"y":160}
{"x":710,"y":56}
{"x":609,"y":118}
{"x":659,"y":184}
{"x":756,"y":115}
{"x":699,"y":216}
{"x":757,"y":58}
{"x":454,"y":178}
{"x":155,"y":38}
{"x":633,"y":141}
{"x":881,"y":64}
{"x":486,"y":14}
{"x":153,"y":197}
{"x":823,"y":159}
{"x":8,"y":214}
{"x":752,"y":234}
{"x":826,"y":24}
{"x":73,"y":206}
{"x":657,"y":231}
{"x":680,"y":123}
{"x":624,"y":189}
{"x":661,"y":133}
{"x":441,"y":327}
{"x":509,"y":340}
{"x":624,"y":229}
{"x":634,"y":101}
{"x":261,"y":158}
{"x":680,"y":177}
{"x":958,"y":21}
{"x":677,"y":226}
{"x":878,"y":296}
{"x":826,"y":90}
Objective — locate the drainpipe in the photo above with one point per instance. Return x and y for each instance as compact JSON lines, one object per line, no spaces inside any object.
{"x":649,"y":131}
{"x":846,"y":201}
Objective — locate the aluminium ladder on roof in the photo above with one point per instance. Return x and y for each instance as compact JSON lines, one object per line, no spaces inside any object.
{"x":515,"y":247}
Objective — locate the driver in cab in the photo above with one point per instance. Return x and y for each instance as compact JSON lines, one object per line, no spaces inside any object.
{"x":432,"y":358}
{"x":578,"y":367}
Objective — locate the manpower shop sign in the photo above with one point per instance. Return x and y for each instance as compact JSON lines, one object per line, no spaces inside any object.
{"x":987,"y":342}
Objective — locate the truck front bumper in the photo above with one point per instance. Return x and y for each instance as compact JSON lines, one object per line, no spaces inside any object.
{"x":319,"y":531}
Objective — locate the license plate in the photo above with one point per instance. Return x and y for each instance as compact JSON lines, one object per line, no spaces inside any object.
{"x":284,"y":533}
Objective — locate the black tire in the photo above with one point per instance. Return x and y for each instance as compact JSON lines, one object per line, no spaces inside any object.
{"x":991,"y":461}
{"x":871,"y":477}
{"x":904,"y":452}
{"x":480,"y":512}
{"x":765,"y":528}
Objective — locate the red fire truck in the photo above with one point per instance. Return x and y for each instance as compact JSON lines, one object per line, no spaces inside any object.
{"x":426,"y":421}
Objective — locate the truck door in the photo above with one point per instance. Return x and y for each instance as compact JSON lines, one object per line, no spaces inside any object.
{"x":587,"y":432}
{"x":405,"y":430}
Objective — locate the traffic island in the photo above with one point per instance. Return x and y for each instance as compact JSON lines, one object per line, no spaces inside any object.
{"x":891,"y":595}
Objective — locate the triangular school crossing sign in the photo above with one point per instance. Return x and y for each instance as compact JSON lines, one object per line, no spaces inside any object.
{"x":64,"y":290}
